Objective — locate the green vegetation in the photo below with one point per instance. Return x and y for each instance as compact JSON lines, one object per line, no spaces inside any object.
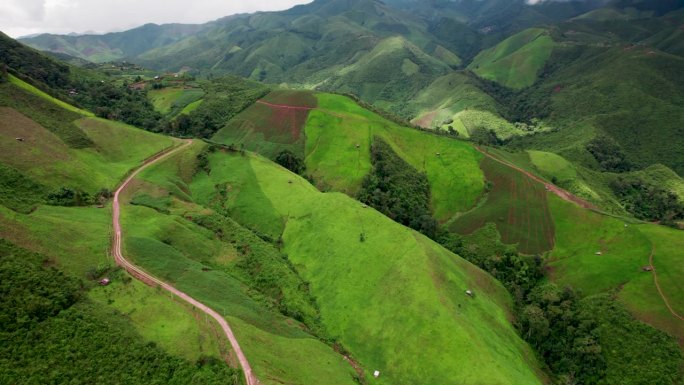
{"x":19,"y":192}
{"x":338,"y":155}
{"x":517,"y":205}
{"x":608,"y":154}
{"x":270,"y":129}
{"x":27,"y":87}
{"x":516,"y":61}
{"x":223,"y":99}
{"x":262,"y":194}
{"x":52,"y":334}
{"x":174,"y":100}
{"x":635,"y":353}
{"x":398,"y":190}
{"x":290,"y":161}
{"x":647,"y":201}
{"x":240,"y":274}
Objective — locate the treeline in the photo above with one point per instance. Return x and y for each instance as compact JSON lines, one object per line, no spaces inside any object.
{"x":223,"y":99}
{"x":51,"y":334}
{"x":648,"y":201}
{"x":398,"y":190}
{"x":547,"y":317}
{"x":609,"y":155}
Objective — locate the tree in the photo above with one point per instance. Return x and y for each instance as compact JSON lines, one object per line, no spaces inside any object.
{"x":290,"y":161}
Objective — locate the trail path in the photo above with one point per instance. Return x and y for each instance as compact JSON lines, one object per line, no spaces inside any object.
{"x":285,"y":106}
{"x":563,"y":194}
{"x":147,"y":278}
{"x":660,"y":291}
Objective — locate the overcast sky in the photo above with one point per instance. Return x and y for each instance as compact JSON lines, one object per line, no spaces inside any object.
{"x":23,"y":17}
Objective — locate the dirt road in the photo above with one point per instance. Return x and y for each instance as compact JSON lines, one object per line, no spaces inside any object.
{"x":151,"y":280}
{"x":660,"y":291}
{"x":563,"y":194}
{"x":285,"y":106}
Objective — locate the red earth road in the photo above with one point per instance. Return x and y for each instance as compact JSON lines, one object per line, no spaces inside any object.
{"x":285,"y":106}
{"x":147,"y":278}
{"x":563,"y":194}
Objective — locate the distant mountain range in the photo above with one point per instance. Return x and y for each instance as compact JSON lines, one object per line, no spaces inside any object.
{"x":428,"y":61}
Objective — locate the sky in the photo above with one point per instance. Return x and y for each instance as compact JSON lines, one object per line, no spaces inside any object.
{"x":24,"y":17}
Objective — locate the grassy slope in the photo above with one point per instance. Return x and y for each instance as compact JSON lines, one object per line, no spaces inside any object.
{"x":338,"y":125}
{"x":517,"y":205}
{"x":170,"y":99}
{"x":428,"y":282}
{"x":29,"y":88}
{"x":190,"y":256}
{"x":625,"y":249}
{"x":447,"y":96}
{"x":77,"y":239}
{"x":48,"y":157}
{"x":516,"y":61}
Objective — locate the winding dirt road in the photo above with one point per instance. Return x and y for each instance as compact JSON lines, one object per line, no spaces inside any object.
{"x":660,"y":291}
{"x":147,"y":278}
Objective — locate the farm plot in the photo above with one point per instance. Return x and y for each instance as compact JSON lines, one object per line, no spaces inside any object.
{"x":517,"y":205}
{"x":272,"y":124}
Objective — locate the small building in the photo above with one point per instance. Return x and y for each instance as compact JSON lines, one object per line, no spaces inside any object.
{"x":19,"y":139}
{"x":599,"y":253}
{"x":104,"y":281}
{"x":647,"y":268}
{"x":376,"y":374}
{"x":469,"y":293}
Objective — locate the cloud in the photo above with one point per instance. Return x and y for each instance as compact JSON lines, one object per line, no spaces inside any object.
{"x":22,"y":17}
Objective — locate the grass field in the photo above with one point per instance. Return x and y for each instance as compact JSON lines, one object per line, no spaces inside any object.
{"x":515,"y":61}
{"x":172,"y":100}
{"x":29,"y":88}
{"x":624,"y":249}
{"x":191,"y":107}
{"x":338,"y":125}
{"x":322,"y":238}
{"x":517,"y":205}
{"x":61,"y":148}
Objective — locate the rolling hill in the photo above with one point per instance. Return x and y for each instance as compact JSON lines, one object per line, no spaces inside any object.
{"x":525,"y":230}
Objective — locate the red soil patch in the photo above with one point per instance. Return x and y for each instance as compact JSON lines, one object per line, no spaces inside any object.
{"x":426,"y":120}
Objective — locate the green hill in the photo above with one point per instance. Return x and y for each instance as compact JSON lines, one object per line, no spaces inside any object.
{"x":516,"y":61}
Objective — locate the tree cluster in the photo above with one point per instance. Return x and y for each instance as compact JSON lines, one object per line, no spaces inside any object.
{"x":647,"y":201}
{"x":609,"y":155}
{"x":547,"y":317}
{"x":398,"y":190}
{"x":291,"y":161}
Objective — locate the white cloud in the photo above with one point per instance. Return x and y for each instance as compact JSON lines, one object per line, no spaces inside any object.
{"x":22,"y":17}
